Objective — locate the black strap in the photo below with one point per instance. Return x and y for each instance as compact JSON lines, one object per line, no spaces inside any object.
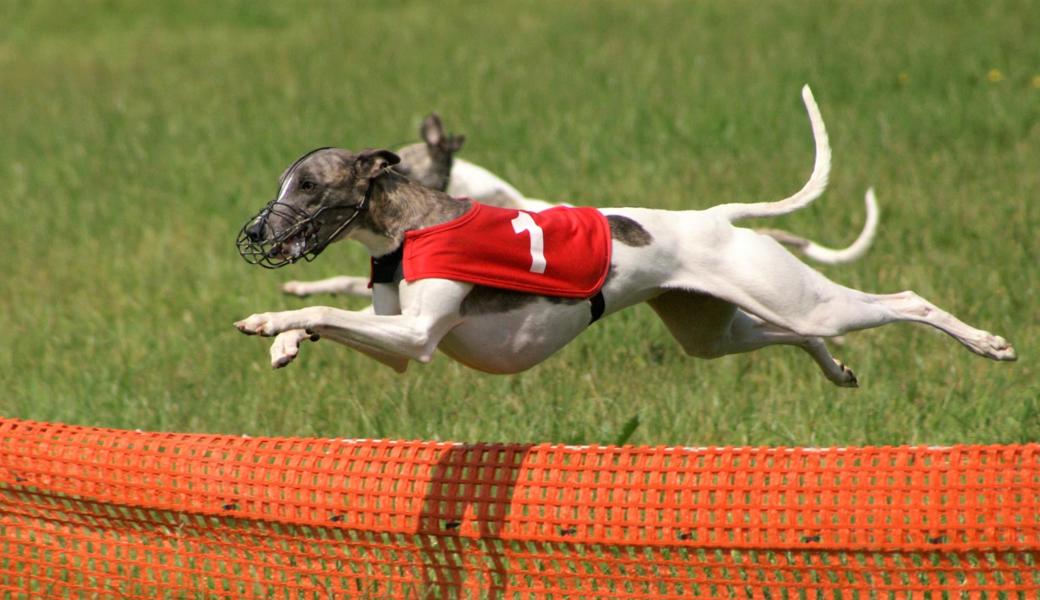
{"x":384,"y":268}
{"x":599,"y":305}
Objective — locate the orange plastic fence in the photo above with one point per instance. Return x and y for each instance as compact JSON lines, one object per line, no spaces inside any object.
{"x":98,"y":513}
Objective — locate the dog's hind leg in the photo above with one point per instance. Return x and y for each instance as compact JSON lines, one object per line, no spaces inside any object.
{"x":755,"y":273}
{"x":707,"y":327}
{"x":908,"y":306}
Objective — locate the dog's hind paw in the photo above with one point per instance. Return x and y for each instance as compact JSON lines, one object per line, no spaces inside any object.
{"x":997,"y":348}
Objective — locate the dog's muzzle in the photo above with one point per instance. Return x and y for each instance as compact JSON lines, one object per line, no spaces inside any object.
{"x":301,"y":237}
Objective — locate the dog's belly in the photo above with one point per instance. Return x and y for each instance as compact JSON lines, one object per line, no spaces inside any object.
{"x":516,"y":340}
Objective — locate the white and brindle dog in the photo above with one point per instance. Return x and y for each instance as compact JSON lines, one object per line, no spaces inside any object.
{"x":434,"y":164}
{"x":720,"y":289}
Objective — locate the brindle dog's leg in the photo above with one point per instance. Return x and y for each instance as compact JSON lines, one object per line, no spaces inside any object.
{"x":346,"y":284}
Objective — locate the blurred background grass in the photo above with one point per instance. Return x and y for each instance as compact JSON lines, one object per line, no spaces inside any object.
{"x":136,"y":138}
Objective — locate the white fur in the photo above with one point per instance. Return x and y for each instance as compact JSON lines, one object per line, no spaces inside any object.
{"x":857,"y":248}
{"x":286,"y":186}
{"x":473,"y":181}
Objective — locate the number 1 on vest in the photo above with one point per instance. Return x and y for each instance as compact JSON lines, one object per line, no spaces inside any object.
{"x":523,"y":222}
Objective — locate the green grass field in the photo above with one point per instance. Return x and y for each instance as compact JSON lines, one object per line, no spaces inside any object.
{"x":134,"y":142}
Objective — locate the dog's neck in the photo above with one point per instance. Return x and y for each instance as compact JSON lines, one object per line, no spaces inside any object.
{"x":398,"y":205}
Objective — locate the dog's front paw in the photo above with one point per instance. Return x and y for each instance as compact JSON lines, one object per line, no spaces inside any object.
{"x":286,"y":346}
{"x":258,"y":324}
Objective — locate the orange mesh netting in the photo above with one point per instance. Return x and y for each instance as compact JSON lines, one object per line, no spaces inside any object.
{"x":98,"y":513}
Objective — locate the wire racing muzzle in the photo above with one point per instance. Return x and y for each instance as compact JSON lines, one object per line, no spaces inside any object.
{"x":301,"y":236}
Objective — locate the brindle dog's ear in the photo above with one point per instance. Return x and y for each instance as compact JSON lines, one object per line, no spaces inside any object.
{"x":369,"y":164}
{"x":431,"y":130}
{"x":453,"y":143}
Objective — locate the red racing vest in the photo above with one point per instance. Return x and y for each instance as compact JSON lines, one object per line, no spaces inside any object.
{"x":561,"y":251}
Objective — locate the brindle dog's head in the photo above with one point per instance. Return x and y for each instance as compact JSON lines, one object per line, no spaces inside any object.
{"x":428,"y":163}
{"x":319,"y":197}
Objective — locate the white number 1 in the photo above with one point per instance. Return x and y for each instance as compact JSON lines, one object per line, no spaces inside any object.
{"x":524,"y":222}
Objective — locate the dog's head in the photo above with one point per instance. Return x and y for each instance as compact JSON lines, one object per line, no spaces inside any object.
{"x":320,"y":196}
{"x":428,"y":163}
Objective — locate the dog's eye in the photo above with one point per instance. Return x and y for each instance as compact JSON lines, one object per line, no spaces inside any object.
{"x":307,"y":185}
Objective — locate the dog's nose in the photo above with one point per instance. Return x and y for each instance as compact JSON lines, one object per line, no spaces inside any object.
{"x":255,"y":230}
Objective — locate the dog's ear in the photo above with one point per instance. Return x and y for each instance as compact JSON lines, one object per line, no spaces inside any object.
{"x":431,"y":131}
{"x":369,"y":164}
{"x":453,"y":143}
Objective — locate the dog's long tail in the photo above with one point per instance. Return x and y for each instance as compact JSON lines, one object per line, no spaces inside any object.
{"x":833,"y":256}
{"x":810,"y":191}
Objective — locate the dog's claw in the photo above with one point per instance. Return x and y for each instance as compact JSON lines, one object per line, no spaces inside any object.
{"x":848,"y":378}
{"x":283,"y":360}
{"x":1002,"y":350}
{"x":241,"y":326}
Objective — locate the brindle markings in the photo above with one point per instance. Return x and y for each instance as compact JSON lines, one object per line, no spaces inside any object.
{"x":428,"y":163}
{"x":398,"y":206}
{"x":483,"y":300}
{"x":628,"y":232}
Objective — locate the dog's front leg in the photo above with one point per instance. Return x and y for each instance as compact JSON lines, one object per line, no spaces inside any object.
{"x":403,"y":335}
{"x":429,"y":309}
{"x":286,"y":347}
